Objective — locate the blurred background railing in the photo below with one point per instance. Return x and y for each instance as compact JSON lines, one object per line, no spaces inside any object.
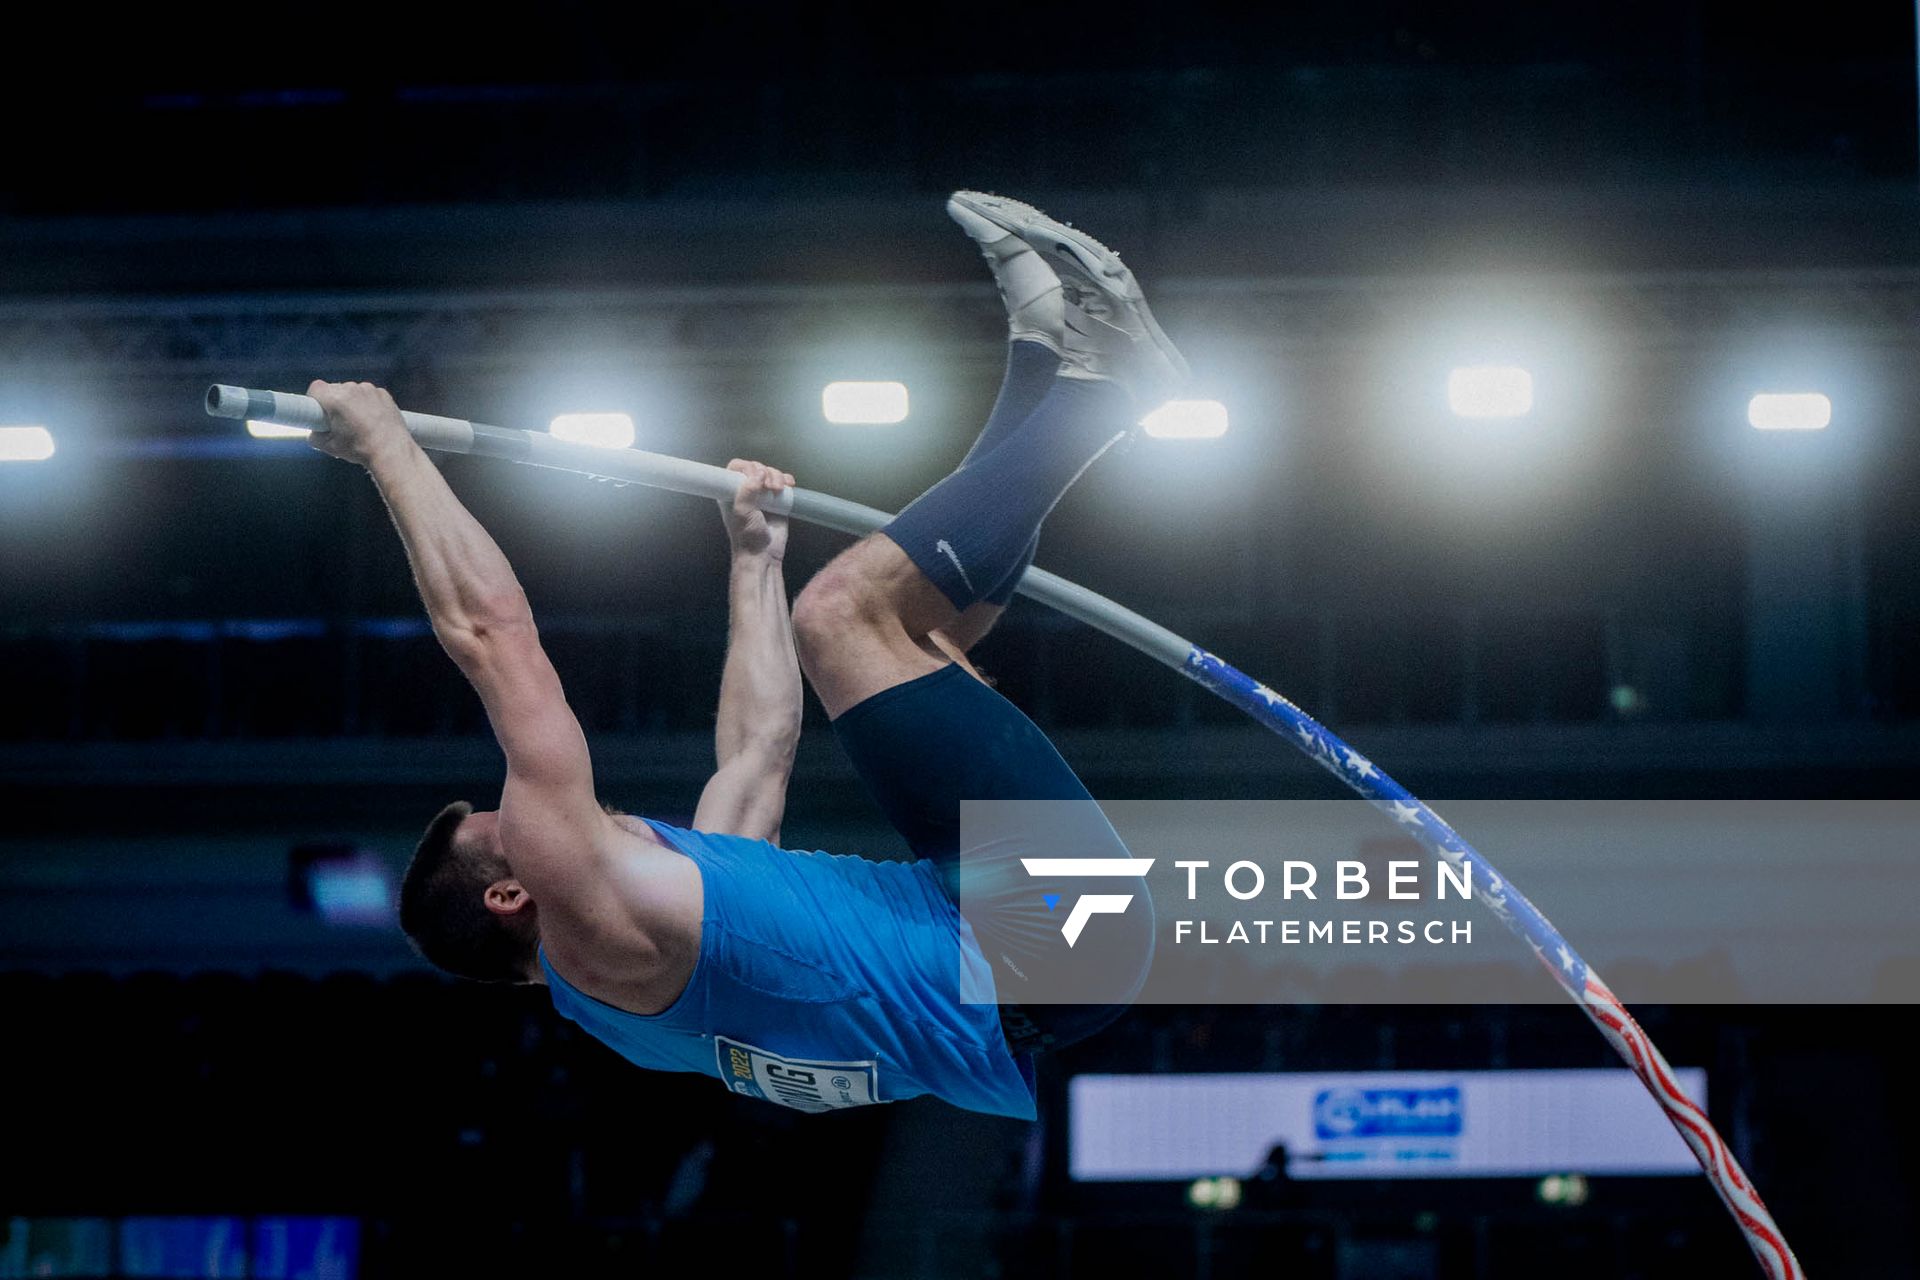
{"x":313,"y":678}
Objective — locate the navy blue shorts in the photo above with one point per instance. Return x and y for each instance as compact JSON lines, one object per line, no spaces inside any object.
{"x":924,"y":746}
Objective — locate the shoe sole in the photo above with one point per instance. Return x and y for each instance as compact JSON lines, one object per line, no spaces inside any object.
{"x":1100,"y":265}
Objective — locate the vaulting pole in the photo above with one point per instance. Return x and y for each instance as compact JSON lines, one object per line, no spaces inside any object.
{"x":661,"y":471}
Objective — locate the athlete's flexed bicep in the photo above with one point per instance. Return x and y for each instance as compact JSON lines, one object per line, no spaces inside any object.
{"x":552,"y":826}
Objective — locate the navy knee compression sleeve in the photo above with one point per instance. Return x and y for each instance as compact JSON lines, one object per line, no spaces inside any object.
{"x":968,"y":533}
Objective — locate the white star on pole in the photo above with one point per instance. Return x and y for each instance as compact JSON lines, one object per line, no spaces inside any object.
{"x":1306,"y":734}
{"x":1407,"y":813}
{"x":1271,"y":698}
{"x":1566,"y":958}
{"x":1361,"y":766}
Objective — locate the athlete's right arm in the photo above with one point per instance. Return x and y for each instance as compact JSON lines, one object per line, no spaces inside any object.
{"x":482,"y":619}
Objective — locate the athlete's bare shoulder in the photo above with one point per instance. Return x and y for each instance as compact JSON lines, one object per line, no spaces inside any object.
{"x":632,"y":942}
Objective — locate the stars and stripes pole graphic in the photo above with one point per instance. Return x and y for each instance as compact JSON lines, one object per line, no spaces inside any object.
{"x":662,"y":471}
{"x":1606,"y":1012}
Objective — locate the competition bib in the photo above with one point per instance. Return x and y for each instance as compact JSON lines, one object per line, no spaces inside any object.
{"x":795,"y":1082}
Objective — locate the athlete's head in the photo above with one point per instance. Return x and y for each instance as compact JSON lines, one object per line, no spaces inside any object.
{"x":461,"y":905}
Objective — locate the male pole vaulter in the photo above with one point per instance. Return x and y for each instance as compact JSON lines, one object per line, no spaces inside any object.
{"x":808,"y":979}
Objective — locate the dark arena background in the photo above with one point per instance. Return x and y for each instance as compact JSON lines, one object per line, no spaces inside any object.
{"x":225,"y":719}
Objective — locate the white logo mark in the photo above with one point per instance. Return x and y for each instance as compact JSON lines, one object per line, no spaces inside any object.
{"x":945,"y":548}
{"x":1092,"y":904}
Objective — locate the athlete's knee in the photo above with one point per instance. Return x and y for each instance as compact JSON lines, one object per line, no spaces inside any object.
{"x":837,"y":600}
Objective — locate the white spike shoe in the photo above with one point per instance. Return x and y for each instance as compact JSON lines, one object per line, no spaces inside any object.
{"x":1029,"y":289}
{"x":1107,"y":331}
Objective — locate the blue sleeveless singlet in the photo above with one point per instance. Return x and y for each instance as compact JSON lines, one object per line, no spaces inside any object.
{"x":822,"y":982}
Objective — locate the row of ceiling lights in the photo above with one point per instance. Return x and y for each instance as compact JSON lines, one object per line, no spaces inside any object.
{"x":1473,"y":392}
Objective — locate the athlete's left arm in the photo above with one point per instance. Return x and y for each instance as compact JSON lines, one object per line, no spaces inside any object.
{"x":758,"y":725}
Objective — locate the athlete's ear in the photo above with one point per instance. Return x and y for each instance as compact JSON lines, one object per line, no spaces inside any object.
{"x":507,"y":898}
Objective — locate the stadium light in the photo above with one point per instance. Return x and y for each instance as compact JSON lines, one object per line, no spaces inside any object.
{"x":1187,"y":420}
{"x":602,"y":430}
{"x":25,"y":444}
{"x":1789,"y":411}
{"x":864,"y":402}
{"x":1490,"y":391}
{"x":274,"y":431}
